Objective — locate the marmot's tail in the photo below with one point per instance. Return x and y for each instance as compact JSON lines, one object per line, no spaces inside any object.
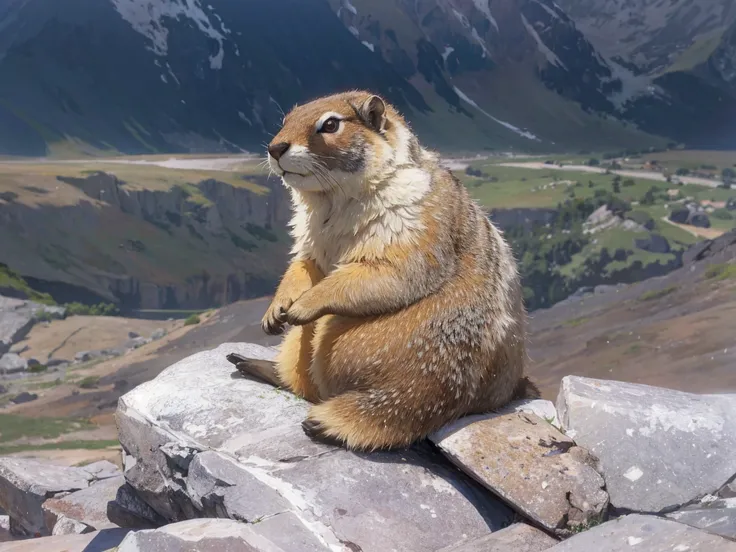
{"x":526,"y":389}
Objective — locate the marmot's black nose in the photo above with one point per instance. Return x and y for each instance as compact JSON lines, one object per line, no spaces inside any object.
{"x":277,"y":150}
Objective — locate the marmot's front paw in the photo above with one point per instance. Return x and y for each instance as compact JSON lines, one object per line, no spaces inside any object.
{"x":299,"y":314}
{"x":275,"y":317}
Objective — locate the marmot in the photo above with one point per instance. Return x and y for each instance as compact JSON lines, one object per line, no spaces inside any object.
{"x":404,"y":299}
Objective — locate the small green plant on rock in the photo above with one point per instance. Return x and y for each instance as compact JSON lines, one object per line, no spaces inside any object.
{"x":192,"y":320}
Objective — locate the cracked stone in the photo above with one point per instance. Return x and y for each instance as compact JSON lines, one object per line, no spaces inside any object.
{"x":715,"y":516}
{"x":202,"y":535}
{"x":531,"y":465}
{"x":97,"y":541}
{"x":639,"y":533}
{"x":519,"y":537}
{"x":87,"y":507}
{"x":659,"y":449}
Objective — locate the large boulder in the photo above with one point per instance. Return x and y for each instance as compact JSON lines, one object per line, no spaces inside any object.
{"x":529,"y":463}
{"x":659,"y":449}
{"x":638,"y":533}
{"x":202,"y":440}
{"x":26,"y":484}
{"x":518,"y":537}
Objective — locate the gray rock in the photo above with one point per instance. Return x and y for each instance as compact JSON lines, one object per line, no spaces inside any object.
{"x":100,"y":541}
{"x":103,"y":469}
{"x":201,"y":535}
{"x":19,"y":349}
{"x":26,"y":484}
{"x":87,"y":508}
{"x":85,"y":356}
{"x":133,"y":335}
{"x":56,"y":362}
{"x":235,"y":448}
{"x":715,"y":516}
{"x":530,"y":464}
{"x":24,"y":397}
{"x":3,"y":389}
{"x":654,"y":243}
{"x":159,"y":333}
{"x":659,"y":449}
{"x":542,"y":408}
{"x":136,"y":342}
{"x":67,"y":526}
{"x":729,"y":491}
{"x":33,"y":362}
{"x":16,"y":320}
{"x":10,"y":363}
{"x":128,"y":510}
{"x":519,"y":537}
{"x":638,"y":533}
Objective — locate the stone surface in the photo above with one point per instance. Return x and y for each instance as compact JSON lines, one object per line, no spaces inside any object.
{"x":715,"y":516}
{"x":639,"y":533}
{"x":530,"y":464}
{"x":517,"y":538}
{"x":729,"y":491}
{"x":129,"y":511}
{"x":26,"y":484}
{"x":10,"y":363}
{"x":201,"y":535}
{"x":100,"y":541}
{"x":103,"y":469}
{"x":157,"y":334}
{"x":88,"y":507}
{"x":236,"y":449}
{"x":542,"y":408}
{"x":659,"y":449}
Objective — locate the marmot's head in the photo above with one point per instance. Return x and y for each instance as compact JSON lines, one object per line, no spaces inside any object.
{"x":341,"y":144}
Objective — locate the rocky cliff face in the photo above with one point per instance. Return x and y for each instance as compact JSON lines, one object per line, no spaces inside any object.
{"x":188,"y":246}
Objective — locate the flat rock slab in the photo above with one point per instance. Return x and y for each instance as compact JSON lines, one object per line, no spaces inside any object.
{"x":10,"y":363}
{"x":659,"y":449}
{"x":17,"y":317}
{"x":26,"y":484}
{"x":519,"y":537}
{"x":201,"y":535}
{"x":99,"y":541}
{"x":87,"y":507}
{"x":638,"y":533}
{"x":530,"y":464}
{"x":235,"y":449}
{"x":714,"y":516}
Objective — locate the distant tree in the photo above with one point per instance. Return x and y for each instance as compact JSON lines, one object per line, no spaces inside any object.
{"x":616,"y":186}
{"x":682,"y":171}
{"x":649,"y":196}
{"x":591,"y":184}
{"x":728,"y":175}
{"x":629,"y":182}
{"x":593,"y":162}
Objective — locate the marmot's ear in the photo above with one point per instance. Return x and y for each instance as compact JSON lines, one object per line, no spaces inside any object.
{"x":373,"y":112}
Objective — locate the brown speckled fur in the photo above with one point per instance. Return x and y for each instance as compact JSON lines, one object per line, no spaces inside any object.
{"x":392,"y":341}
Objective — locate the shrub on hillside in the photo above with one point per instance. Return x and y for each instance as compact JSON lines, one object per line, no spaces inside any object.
{"x":628,"y":183}
{"x":723,"y":214}
{"x":192,"y":320}
{"x":101,"y":309}
{"x":642,"y":218}
{"x":593,"y":162}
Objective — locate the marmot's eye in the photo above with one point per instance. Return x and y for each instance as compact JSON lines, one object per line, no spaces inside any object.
{"x":330,"y":126}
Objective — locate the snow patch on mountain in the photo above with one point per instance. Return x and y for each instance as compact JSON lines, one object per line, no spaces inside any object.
{"x":368,"y":45}
{"x":549,"y":10}
{"x":447,"y":52}
{"x":484,"y":6}
{"x":549,"y":54}
{"x":148,"y":17}
{"x":523,"y":133}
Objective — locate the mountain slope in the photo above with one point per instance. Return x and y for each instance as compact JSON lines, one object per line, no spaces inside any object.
{"x":140,"y":76}
{"x":677,"y":62}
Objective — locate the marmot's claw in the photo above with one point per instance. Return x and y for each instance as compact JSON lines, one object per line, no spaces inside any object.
{"x":316,"y":431}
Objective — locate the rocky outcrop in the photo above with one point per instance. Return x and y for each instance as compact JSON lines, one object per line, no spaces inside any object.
{"x":228,"y":467}
{"x":209,"y":453}
{"x":651,"y":442}
{"x":17,"y":317}
{"x":25,"y":485}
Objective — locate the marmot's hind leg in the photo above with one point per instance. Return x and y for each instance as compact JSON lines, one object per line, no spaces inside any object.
{"x":293,"y":360}
{"x":362,"y":420}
